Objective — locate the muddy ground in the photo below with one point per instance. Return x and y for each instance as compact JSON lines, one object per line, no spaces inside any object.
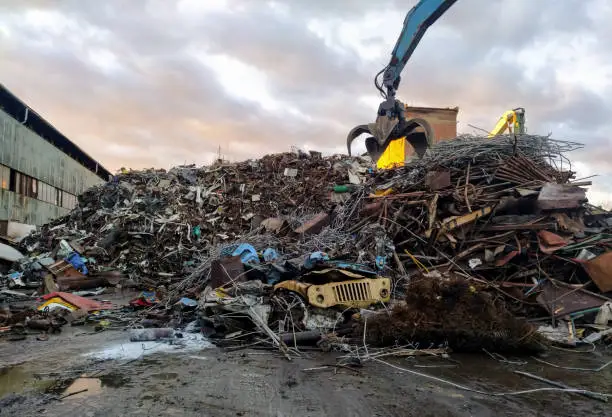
{"x":195,"y":381}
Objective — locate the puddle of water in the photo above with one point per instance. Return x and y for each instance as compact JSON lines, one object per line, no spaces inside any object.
{"x":86,"y":386}
{"x":83,"y":387}
{"x":114,"y":380}
{"x":135,"y":350}
{"x":16,"y":379}
{"x":20,"y":378}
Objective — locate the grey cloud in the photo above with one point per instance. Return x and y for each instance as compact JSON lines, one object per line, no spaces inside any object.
{"x":579,"y":109}
{"x":171,"y":108}
{"x":297,"y":61}
{"x":343,"y":9}
{"x":514,"y":24}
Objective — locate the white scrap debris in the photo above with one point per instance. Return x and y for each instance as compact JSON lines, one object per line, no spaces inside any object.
{"x":605,"y":314}
{"x":585,"y":255}
{"x":474,"y":262}
{"x":9,"y":253}
{"x":318,"y":318}
{"x":559,"y":334}
{"x":15,"y":231}
{"x":188,"y":343}
{"x":291,"y":172}
{"x":594,"y":337}
{"x":354,"y":178}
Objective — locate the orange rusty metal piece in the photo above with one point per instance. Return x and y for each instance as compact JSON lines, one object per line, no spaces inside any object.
{"x":550,"y":242}
{"x":600,"y":271}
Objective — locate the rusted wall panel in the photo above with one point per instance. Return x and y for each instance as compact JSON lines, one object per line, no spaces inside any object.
{"x":27,"y":210}
{"x":24,"y":151}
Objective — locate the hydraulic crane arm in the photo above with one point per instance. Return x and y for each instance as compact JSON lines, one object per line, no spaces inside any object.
{"x":390,"y":122}
{"x":511,"y":120}
{"x":416,"y":23}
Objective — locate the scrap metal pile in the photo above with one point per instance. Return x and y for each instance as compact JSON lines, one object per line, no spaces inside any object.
{"x":482,"y":243}
{"x":154,"y":226}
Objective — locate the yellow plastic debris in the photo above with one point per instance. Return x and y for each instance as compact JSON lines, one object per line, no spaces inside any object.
{"x":56,"y":302}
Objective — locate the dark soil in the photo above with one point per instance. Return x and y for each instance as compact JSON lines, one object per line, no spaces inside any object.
{"x":456,"y":313}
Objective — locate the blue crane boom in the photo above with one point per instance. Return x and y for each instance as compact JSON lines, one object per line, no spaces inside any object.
{"x":390,"y":122}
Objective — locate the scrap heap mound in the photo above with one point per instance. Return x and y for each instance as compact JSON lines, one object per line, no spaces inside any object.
{"x":298,"y":243}
{"x":154,"y":225}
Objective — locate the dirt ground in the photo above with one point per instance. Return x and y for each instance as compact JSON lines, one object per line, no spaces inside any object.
{"x":207,"y":381}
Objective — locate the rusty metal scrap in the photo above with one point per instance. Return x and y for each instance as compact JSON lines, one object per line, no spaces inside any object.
{"x":520,"y":170}
{"x":154,"y":224}
{"x":600,"y":271}
{"x":561,"y":299}
{"x":561,"y":196}
{"x":501,"y":213}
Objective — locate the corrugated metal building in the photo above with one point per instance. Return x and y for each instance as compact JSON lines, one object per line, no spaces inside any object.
{"x":41,"y":171}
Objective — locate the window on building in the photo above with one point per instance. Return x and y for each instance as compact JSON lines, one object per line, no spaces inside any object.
{"x":16,"y":182}
{"x":53,"y":199}
{"x":31,"y":187}
{"x":5,"y":177}
{"x":28,"y":186}
{"x":69,"y":201}
{"x":42,"y":191}
{"x":47,"y":193}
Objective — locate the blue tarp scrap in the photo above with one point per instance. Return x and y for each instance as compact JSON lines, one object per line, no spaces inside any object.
{"x":187,"y":302}
{"x":380,"y":262}
{"x":270,"y":255}
{"x":247,"y":253}
{"x":316,"y":258}
{"x":78,"y":262}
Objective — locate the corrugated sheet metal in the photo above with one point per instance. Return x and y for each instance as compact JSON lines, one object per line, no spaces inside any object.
{"x":23,"y":150}
{"x":27,"y":210}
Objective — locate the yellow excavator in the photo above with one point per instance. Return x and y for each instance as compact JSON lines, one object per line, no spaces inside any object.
{"x":511,"y":121}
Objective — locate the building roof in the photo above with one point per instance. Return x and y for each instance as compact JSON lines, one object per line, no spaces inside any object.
{"x":419,"y":108}
{"x":18,"y":110}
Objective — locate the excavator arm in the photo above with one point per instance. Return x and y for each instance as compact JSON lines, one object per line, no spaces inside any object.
{"x":511,"y":120}
{"x":390,"y":121}
{"x":416,"y":23}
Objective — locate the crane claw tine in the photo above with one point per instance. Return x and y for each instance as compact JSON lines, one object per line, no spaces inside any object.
{"x":356,"y":131}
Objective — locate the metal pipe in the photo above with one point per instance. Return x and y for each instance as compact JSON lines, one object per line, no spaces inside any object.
{"x":27,"y":112}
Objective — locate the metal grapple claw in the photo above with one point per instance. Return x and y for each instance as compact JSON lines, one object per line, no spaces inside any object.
{"x":416,"y":131}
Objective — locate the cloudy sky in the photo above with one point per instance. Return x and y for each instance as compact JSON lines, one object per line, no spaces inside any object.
{"x":141,"y":83}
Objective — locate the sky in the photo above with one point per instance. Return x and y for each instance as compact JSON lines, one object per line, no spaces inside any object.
{"x":157,"y":83}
